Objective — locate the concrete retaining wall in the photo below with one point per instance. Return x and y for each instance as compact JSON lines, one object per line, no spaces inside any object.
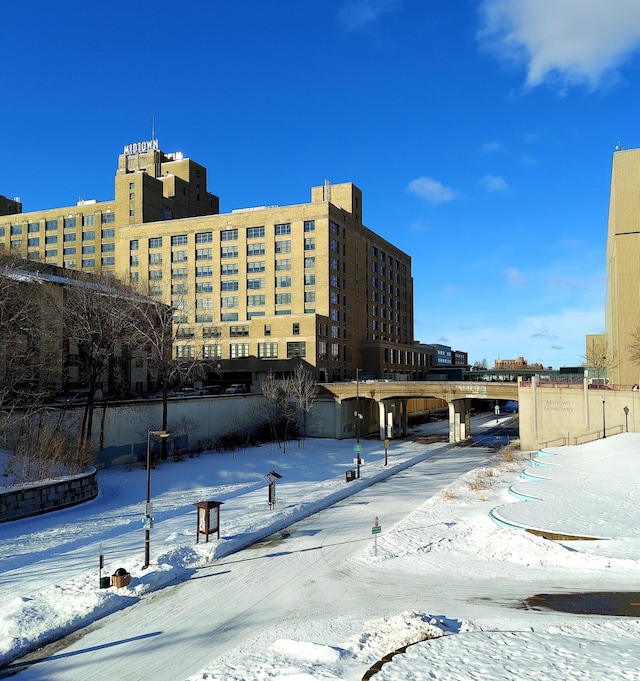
{"x":50,"y":496}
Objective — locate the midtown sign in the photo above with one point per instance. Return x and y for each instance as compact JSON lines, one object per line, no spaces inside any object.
{"x":141,"y":147}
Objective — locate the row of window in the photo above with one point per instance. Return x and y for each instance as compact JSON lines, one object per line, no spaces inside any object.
{"x":201,"y":254}
{"x":238,"y":350}
{"x":233,"y":285}
{"x":67,"y":223}
{"x":108,"y":233}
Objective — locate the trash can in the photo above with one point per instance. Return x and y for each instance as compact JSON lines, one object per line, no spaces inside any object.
{"x":351,"y":475}
{"x":121,"y":578}
{"x":105,"y":582}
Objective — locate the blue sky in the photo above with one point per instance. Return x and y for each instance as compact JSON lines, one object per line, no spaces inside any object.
{"x":480,"y":131}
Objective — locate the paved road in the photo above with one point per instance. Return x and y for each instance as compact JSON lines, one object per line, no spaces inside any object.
{"x":300,"y":573}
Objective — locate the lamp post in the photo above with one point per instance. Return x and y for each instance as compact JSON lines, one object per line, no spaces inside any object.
{"x":147,"y":512}
{"x":604,"y":426}
{"x":626,"y":419}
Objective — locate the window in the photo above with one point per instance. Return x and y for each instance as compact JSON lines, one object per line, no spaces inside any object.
{"x":333,"y":245}
{"x":257,"y":266}
{"x":186,"y":351}
{"x":155,"y":258}
{"x":281,"y":312}
{"x":283,"y":246}
{"x":179,"y":240}
{"x":310,"y":244}
{"x":155,"y":242}
{"x":322,"y":349}
{"x":267,"y":329}
{"x":309,"y":296}
{"x":335,"y":315}
{"x":255,"y":283}
{"x":155,"y":289}
{"x":335,"y":280}
{"x":108,"y":233}
{"x":283,"y":298}
{"x":34,"y":241}
{"x":334,"y":298}
{"x":335,"y":352}
{"x":155,"y":275}
{"x":229,"y":235}
{"x":133,"y":244}
{"x":16,"y":229}
{"x":238,"y":350}
{"x":179,"y":256}
{"x":295,"y":329}
{"x":108,"y":218}
{"x":255,"y":300}
{"x":16,"y":244}
{"x":334,"y":228}
{"x":255,"y":249}
{"x":229,"y":252}
{"x":179,"y":273}
{"x":310,"y":262}
{"x":309,"y":225}
{"x":212,"y":332}
{"x":72,"y":237}
{"x":204,"y":254}
{"x":281,"y":230}
{"x":283,"y":264}
{"x":88,"y":220}
{"x":229,"y":317}
{"x":335,"y":265}
{"x":185,"y":332}
{"x":283,"y":282}
{"x":87,"y":262}
{"x":33,"y":227}
{"x":212,"y":350}
{"x":296,"y":349}
{"x":232,"y":268}
{"x":88,"y":236}
{"x":109,"y":260}
{"x":238,"y":331}
{"x":51,"y":225}
{"x":204,"y":238}
{"x":229,"y":285}
{"x":69,"y":223}
{"x":88,"y":250}
{"x":255,"y":313}
{"x":178,"y":289}
{"x":266,"y":350}
{"x":52,"y":239}
{"x":68,"y":251}
{"x":204,"y":271}
{"x":204,"y":303}
{"x":204,"y":287}
{"x":335,"y":332}
{"x":70,"y":264}
{"x":106,"y":248}
{"x":229,"y":301}
{"x":255,"y":232}
{"x":309,"y":279}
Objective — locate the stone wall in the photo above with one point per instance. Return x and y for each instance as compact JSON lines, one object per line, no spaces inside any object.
{"x":48,"y":496}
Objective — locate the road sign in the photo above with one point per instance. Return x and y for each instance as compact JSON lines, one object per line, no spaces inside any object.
{"x":357,"y":448}
{"x":376,"y":530}
{"x":386,"y":443}
{"x":376,"y":522}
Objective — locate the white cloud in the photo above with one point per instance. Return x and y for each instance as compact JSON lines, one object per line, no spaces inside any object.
{"x":514,"y":276}
{"x":431,"y":190}
{"x":356,"y":14}
{"x":494,"y":183}
{"x":491,"y":147}
{"x":563,"y":42}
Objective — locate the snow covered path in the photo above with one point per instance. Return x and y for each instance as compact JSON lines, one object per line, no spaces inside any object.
{"x":299,"y":575}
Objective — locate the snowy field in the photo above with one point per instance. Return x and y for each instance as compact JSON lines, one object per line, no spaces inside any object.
{"x":49,"y":571}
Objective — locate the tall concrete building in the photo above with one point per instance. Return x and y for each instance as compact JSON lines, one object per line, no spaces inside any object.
{"x":622,"y":310}
{"x":259,"y":288}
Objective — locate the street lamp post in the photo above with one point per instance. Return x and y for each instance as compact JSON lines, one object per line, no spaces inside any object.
{"x":147,"y":512}
{"x":358,"y":417}
{"x":604,"y":425}
{"x":626,"y":419}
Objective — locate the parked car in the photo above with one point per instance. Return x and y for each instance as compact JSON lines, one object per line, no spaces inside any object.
{"x":236,"y":388}
{"x":74,"y":396}
{"x":212,"y":390}
{"x":188,"y":392}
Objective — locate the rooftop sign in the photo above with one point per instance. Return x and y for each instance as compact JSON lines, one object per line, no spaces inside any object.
{"x":141,"y":147}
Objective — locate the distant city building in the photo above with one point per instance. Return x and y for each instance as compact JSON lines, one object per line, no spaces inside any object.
{"x":520,"y":363}
{"x":259,"y":289}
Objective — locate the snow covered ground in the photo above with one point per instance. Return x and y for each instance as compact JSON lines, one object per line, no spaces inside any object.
{"x":49,"y":579}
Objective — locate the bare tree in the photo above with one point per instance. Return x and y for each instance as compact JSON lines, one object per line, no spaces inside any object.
{"x":279,"y":409}
{"x":601,"y":358}
{"x":304,"y":390}
{"x":95,"y":314}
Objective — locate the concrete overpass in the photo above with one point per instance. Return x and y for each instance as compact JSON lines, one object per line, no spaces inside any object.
{"x":386,"y":402}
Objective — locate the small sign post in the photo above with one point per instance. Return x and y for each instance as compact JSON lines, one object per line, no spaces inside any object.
{"x":386,"y":451}
{"x":375,"y":531}
{"x":208,"y":519}
{"x":357,"y":449}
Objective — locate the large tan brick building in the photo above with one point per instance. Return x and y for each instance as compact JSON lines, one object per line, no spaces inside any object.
{"x":622,"y":310}
{"x":256,"y":288}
